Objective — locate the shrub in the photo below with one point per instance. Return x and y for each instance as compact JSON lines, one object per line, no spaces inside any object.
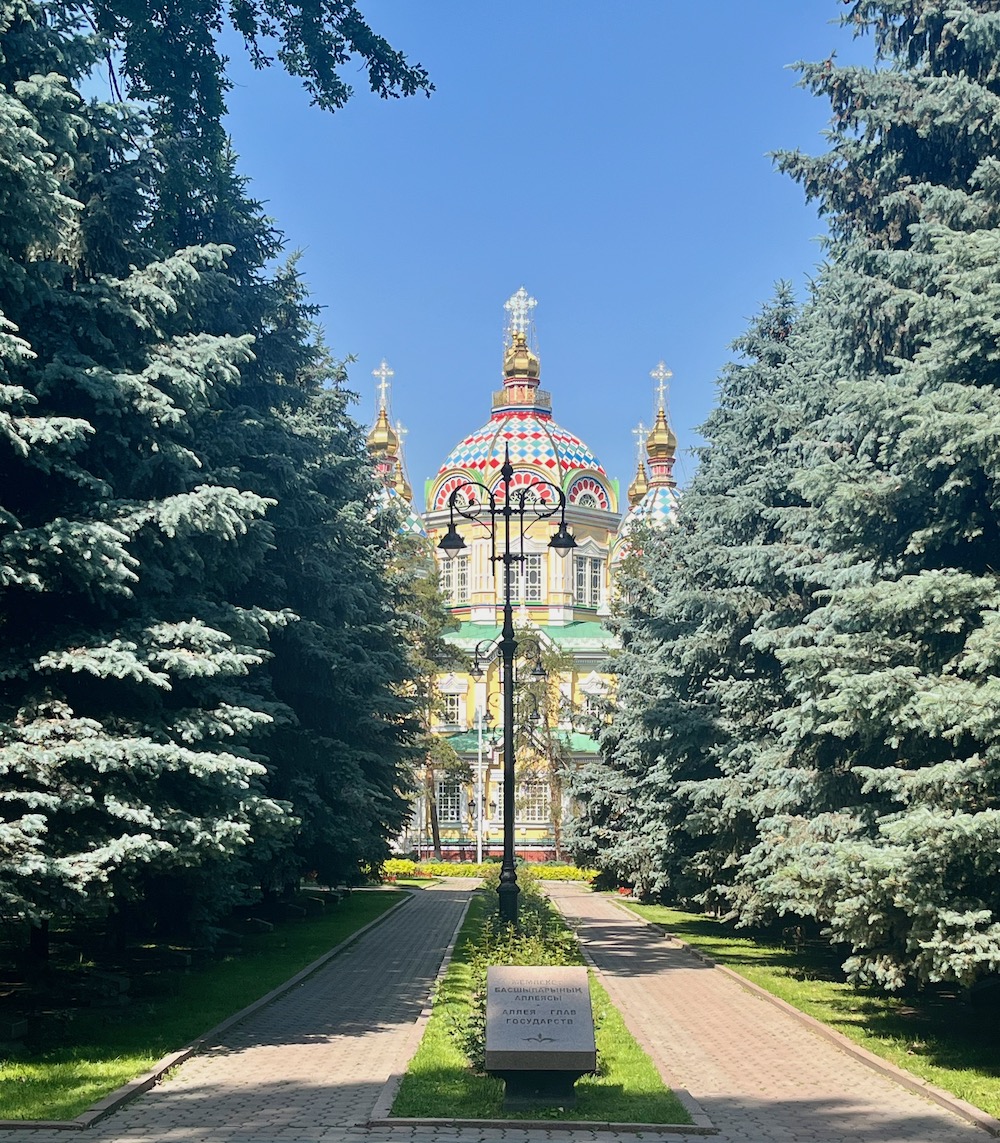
{"x":561,"y":872}
{"x":454,"y":868}
{"x":404,"y":867}
{"x":539,"y":938}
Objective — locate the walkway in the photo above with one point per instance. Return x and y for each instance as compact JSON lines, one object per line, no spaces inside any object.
{"x":761,"y":1076}
{"x":309,"y":1067}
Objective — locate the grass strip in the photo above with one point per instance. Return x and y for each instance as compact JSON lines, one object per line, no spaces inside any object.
{"x":441,"y":1083}
{"x":82,"y":1056}
{"x":936,"y":1035}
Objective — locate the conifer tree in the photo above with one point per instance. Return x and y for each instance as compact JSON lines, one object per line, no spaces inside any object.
{"x":895,"y":676}
{"x":628,"y":820}
{"x":692,"y":745}
{"x":124,"y":721}
{"x":188,"y":540}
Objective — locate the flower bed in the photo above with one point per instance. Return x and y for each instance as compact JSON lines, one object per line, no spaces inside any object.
{"x":397,"y":867}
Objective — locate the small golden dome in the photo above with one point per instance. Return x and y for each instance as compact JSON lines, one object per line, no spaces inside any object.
{"x":401,"y":484}
{"x":383,"y":436}
{"x":661,"y":442}
{"x":639,"y":487}
{"x":519,"y":361}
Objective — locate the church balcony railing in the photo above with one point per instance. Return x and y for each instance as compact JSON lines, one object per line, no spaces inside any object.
{"x":520,"y":395}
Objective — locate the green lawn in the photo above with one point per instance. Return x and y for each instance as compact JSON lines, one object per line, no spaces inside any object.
{"x":439,"y":1082}
{"x":78,"y":1056}
{"x":936,"y":1035}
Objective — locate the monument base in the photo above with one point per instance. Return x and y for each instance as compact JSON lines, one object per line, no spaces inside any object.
{"x":539,"y":1032}
{"x":524,"y":1089}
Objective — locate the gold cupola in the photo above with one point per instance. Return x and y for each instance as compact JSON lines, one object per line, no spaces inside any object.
{"x":639,"y":486}
{"x":661,"y":444}
{"x":519,"y":363}
{"x":401,"y":484}
{"x":383,"y":438}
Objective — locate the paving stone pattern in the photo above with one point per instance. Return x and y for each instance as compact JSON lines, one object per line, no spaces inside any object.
{"x":310,"y":1066}
{"x":759,"y":1074}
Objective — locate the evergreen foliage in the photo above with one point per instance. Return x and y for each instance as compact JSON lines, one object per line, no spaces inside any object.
{"x":820,"y":739}
{"x":202,"y":675}
{"x":167,"y":55}
{"x":425,"y":620}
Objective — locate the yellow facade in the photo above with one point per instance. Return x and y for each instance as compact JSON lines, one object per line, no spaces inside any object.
{"x":559,"y":605}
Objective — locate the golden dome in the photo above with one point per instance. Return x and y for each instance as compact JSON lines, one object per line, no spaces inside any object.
{"x":639,"y":487}
{"x":661,"y":443}
{"x":383,"y":437}
{"x":401,"y":484}
{"x":519,"y":361}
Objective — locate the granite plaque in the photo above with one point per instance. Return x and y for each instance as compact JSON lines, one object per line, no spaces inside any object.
{"x":539,"y":1019}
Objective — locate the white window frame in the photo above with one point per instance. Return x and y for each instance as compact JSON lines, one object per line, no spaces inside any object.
{"x":454,"y":579}
{"x":451,"y":710}
{"x":534,"y":802}
{"x":588,"y":580}
{"x":529,"y":579}
{"x":450,"y":795}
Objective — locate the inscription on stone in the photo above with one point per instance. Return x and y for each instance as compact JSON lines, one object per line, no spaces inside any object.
{"x":539,"y":1019}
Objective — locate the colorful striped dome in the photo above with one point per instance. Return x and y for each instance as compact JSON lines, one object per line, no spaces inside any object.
{"x":535,"y":441}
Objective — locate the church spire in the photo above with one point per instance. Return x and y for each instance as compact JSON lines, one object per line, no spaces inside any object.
{"x":521,"y":367}
{"x":640,"y":485}
{"x":385,"y":441}
{"x":382,"y":440}
{"x":400,"y":483}
{"x":661,"y":444}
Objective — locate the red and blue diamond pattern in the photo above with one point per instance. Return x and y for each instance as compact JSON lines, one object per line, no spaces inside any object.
{"x":534,"y":439}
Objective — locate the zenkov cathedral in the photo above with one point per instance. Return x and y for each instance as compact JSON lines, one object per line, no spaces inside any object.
{"x":560,"y":603}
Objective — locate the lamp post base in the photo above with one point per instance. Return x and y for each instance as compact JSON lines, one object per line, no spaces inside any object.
{"x":507,"y":891}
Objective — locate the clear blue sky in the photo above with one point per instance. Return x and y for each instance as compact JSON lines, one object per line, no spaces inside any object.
{"x":612,"y":157}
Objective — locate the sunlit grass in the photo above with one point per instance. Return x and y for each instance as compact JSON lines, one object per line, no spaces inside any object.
{"x":944,"y":1039}
{"x":84,"y":1055}
{"x":440,"y":1083}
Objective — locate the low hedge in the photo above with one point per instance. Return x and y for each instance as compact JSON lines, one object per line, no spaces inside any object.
{"x":397,"y":867}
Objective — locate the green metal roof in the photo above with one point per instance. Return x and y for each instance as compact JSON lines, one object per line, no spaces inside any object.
{"x":467,"y":742}
{"x":581,"y":634}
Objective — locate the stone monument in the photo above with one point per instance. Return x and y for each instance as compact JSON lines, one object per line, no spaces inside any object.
{"x":539,"y":1033}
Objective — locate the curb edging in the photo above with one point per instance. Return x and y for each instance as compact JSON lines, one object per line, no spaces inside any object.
{"x":127,"y":1092}
{"x":891,"y":1071}
{"x":380,"y":1116}
{"x":551,"y":1125}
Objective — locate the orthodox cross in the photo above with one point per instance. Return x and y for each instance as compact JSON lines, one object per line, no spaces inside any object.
{"x":401,"y":432}
{"x":662,"y":374}
{"x":383,"y":373}
{"x":640,"y":432}
{"x":519,"y":306}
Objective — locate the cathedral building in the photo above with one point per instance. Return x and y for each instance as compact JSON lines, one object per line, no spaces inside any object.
{"x":560,"y":601}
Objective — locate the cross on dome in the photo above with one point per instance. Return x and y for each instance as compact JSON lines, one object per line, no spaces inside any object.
{"x":640,"y":432}
{"x":383,"y":373}
{"x":662,"y":374}
{"x":519,"y":306}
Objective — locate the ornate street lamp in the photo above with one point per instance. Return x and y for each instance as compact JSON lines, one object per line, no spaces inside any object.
{"x":537,"y":500}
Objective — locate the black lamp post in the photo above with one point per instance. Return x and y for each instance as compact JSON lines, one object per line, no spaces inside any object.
{"x":537,"y":500}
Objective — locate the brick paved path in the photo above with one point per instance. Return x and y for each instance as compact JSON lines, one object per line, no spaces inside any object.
{"x":309,"y":1067}
{"x":761,"y":1076}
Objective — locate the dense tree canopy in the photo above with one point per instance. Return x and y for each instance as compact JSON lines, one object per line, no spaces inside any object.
{"x":203,"y":675}
{"x":826,"y":611}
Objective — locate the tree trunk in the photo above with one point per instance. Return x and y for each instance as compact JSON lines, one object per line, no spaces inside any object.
{"x":432,"y":812}
{"x":555,"y":811}
{"x":38,"y":942}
